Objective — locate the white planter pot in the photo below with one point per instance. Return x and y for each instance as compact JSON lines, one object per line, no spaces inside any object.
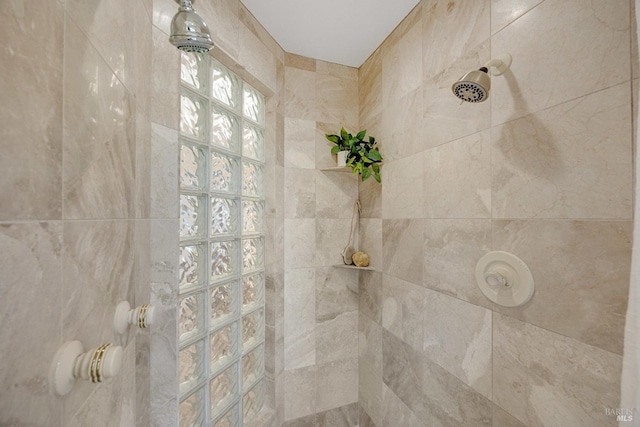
{"x":342,"y":159}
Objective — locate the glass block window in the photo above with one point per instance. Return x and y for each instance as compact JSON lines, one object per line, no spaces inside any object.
{"x":221,"y":254}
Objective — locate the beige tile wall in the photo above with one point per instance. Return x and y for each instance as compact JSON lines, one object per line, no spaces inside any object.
{"x":542,"y":169}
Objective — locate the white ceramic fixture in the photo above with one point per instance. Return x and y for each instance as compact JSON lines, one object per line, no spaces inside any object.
{"x":141,"y":316}
{"x":505,"y":279}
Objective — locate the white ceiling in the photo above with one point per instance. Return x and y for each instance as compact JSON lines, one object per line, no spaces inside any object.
{"x":341,"y":31}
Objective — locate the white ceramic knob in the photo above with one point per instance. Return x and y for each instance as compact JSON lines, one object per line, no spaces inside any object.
{"x":142,"y":317}
{"x":505,"y":279}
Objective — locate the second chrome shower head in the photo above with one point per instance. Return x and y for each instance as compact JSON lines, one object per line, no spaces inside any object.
{"x":475,"y":85}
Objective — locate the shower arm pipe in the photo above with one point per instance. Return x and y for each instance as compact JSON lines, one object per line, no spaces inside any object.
{"x":499,"y":64}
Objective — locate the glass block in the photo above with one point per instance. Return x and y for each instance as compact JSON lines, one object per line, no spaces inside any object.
{"x":253,"y":104}
{"x":193,"y":70}
{"x":252,"y":328}
{"x":230,"y":418}
{"x":252,"y":216}
{"x":252,"y":291}
{"x":191,"y":320}
{"x":192,"y":410}
{"x":224,"y":256}
{"x":225,"y":86}
{"x":224,"y":303}
{"x":193,"y":167}
{"x":252,"y":254}
{"x":193,"y":115}
{"x":252,"y":142}
{"x":253,"y":401}
{"x":192,"y":266}
{"x":225,"y":129}
{"x":252,"y":179}
{"x":223,"y":345}
{"x":193,"y":216}
{"x":224,"y":173}
{"x":191,"y":366}
{"x":252,"y":367}
{"x":224,"y":216}
{"x":223,"y":389}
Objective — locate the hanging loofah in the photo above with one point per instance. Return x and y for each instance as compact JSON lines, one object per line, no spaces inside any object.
{"x":360,"y":259}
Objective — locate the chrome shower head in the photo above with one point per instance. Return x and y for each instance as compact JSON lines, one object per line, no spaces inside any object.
{"x":475,"y":85}
{"x":189,"y":32}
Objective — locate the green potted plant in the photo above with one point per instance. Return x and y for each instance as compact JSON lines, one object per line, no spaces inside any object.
{"x":362,"y":156}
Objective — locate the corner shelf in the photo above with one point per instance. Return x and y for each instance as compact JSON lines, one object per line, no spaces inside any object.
{"x":353,"y":267}
{"x":341,"y":169}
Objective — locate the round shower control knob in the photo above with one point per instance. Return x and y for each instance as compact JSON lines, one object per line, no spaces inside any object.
{"x":505,"y":279}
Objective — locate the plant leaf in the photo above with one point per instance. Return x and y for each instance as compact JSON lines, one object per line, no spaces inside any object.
{"x":367,"y":160}
{"x":361,"y":135}
{"x":332,"y":138}
{"x":375,"y":155}
{"x":336,"y":149}
{"x":366,"y":173}
{"x":375,"y":168}
{"x":344,"y":134}
{"x":377,"y":177}
{"x":372,"y":140}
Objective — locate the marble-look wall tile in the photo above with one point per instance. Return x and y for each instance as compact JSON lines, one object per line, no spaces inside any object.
{"x":547,"y":379}
{"x":403,"y":310}
{"x":502,"y":418}
{"x":165,"y":79}
{"x":143,"y":163}
{"x":402,"y":371}
{"x":403,"y":188}
{"x":337,"y":70}
{"x":299,"y":318}
{"x":457,"y":178}
{"x":335,"y":292}
{"x":541,"y":77}
{"x":402,"y":248}
{"x":457,"y":337}
{"x":337,"y":384}
{"x":337,"y":338}
{"x":504,"y":12}
{"x":248,"y":20}
{"x":99,"y":132}
{"x":445,"y":118}
{"x":254,"y":56}
{"x":569,"y":161}
{"x":370,"y":295}
{"x":164,"y":174}
{"x":370,"y":241}
{"x":336,"y":194}
{"x":332,"y":235}
{"x":396,"y":412}
{"x":299,"y":392}
{"x":468,"y":21}
{"x":370,"y":87}
{"x":98,"y":272}
{"x":452,"y":247}
{"x":222,"y":19}
{"x":344,"y":416}
{"x":163,"y":357}
{"x":142,"y":295}
{"x":300,"y":62}
{"x":448,"y":402}
{"x":31,"y":65}
{"x":581,"y":271}
{"x":370,"y":368}
{"x":337,"y":100}
{"x":299,"y":243}
{"x":300,"y":193}
{"x":300,"y":94}
{"x":299,"y":143}
{"x":324,"y":158}
{"x":30,"y":305}
{"x":402,"y":127}
{"x":364,"y":420}
{"x":402,"y":63}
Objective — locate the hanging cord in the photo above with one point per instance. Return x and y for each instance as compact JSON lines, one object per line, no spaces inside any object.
{"x":349,"y":250}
